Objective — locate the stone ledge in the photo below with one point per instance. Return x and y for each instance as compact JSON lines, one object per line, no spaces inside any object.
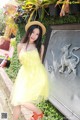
{"x":7,"y":83}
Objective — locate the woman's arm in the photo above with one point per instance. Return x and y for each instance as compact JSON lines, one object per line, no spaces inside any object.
{"x":42,"y":52}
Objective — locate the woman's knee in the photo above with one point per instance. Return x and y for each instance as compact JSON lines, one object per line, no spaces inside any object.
{"x":17,"y":107}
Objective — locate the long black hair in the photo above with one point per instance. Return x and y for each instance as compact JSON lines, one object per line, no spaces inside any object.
{"x":25,"y":39}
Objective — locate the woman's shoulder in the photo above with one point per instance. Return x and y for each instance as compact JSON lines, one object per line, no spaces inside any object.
{"x":21,"y":45}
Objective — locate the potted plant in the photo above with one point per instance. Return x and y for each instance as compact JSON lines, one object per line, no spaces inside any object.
{"x":34,"y":7}
{"x":64,"y":7}
{"x":69,"y":6}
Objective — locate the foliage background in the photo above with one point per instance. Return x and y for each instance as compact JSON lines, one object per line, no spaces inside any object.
{"x":2,"y":21}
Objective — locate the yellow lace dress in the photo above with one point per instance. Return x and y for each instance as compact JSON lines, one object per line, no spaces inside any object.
{"x":31,"y":84}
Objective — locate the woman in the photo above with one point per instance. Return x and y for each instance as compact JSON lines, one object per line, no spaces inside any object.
{"x":31,"y":85}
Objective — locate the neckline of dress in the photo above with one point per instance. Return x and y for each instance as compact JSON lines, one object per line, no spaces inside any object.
{"x":24,"y":49}
{"x":29,"y":50}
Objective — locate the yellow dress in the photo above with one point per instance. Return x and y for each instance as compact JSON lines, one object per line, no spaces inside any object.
{"x":31,"y":84}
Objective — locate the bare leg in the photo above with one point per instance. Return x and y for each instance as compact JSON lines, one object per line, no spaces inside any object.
{"x":32,"y":107}
{"x":16,"y":112}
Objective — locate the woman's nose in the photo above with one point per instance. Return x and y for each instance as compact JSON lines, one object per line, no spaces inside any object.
{"x":34,"y":35}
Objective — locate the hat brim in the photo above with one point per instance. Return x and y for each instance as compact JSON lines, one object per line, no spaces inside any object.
{"x":36,"y":23}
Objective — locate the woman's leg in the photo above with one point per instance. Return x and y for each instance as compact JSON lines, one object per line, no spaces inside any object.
{"x":16,"y":112}
{"x":32,"y":107}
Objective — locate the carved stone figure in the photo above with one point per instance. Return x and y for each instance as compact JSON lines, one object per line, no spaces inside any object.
{"x":69,"y":60}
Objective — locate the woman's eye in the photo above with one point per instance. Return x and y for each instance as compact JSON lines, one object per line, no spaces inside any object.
{"x":37,"y":34}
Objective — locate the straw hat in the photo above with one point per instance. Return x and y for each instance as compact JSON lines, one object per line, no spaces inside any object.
{"x":36,"y":23}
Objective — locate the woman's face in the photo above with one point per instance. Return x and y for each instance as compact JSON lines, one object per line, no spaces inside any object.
{"x":34,"y":35}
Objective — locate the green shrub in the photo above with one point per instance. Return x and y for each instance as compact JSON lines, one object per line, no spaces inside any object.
{"x":2,"y":21}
